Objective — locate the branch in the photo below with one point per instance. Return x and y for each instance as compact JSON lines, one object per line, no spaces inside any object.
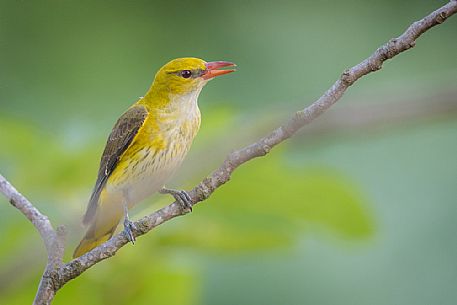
{"x":40,"y":221}
{"x":353,"y":118}
{"x":260,"y":148}
{"x":53,"y":240}
{"x":58,"y":274}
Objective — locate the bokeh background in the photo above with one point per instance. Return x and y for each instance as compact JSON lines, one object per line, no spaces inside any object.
{"x":359,"y":208}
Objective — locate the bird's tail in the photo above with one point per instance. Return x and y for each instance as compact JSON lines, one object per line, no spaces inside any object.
{"x":102,"y":224}
{"x":91,"y":240}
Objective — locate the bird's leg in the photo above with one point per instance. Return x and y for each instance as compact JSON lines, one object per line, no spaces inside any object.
{"x":128,"y":226}
{"x":182,"y":197}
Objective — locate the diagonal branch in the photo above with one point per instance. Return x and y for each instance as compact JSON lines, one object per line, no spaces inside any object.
{"x":58,"y":274}
{"x":260,"y":148}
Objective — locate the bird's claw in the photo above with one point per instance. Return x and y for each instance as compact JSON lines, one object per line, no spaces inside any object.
{"x":184,"y":200}
{"x":181,"y":197}
{"x":129,"y":227}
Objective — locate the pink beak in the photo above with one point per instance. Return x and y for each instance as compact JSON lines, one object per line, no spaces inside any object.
{"x":213,"y":66}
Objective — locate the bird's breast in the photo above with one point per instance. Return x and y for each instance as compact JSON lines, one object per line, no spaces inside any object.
{"x":155,"y":155}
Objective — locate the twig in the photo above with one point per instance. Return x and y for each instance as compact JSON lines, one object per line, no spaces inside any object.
{"x":40,"y":221}
{"x":58,"y":274}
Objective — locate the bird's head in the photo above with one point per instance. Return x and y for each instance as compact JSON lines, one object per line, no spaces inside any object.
{"x":185,"y":75}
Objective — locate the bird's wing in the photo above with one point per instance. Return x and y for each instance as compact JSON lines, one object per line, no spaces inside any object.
{"x":118,"y":141}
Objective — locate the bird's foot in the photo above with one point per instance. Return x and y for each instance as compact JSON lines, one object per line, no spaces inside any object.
{"x":182,"y":197}
{"x":129,"y":227}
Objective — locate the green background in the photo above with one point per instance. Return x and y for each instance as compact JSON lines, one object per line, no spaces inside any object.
{"x":359,"y":208}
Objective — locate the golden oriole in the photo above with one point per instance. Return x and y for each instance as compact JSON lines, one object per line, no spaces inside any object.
{"x":145,"y":147}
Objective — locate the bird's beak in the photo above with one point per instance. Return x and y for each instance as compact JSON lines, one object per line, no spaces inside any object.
{"x":213,"y":66}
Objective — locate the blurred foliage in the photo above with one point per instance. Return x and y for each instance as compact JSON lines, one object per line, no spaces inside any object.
{"x":241,"y":218}
{"x":246,"y":217}
{"x":306,"y":224}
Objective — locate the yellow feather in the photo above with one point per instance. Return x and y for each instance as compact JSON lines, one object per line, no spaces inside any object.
{"x":155,"y":152}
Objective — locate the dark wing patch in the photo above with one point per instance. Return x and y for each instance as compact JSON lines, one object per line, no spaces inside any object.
{"x":120,"y":138}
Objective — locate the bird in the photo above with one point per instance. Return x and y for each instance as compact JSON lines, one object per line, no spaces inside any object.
{"x":146,"y":146}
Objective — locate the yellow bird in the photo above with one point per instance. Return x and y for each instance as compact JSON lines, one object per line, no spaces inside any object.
{"x":146,"y":146}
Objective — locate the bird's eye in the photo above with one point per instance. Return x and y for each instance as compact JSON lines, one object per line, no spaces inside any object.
{"x":186,"y":73}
